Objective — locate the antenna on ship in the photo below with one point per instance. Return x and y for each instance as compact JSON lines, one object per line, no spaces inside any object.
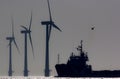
{"x":80,"y":47}
{"x":58,"y":58}
{"x":27,"y":31}
{"x":49,"y":24}
{"x":11,"y":39}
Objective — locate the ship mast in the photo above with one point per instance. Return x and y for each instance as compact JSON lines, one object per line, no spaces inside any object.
{"x":80,"y":47}
{"x":58,"y":58}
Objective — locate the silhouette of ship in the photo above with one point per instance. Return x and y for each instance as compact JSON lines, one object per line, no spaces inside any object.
{"x":77,"y":67}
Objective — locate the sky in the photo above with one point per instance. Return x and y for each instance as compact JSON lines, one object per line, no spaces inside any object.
{"x":75,"y":18}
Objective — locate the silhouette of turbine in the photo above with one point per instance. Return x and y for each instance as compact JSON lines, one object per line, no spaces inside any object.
{"x":49,"y":25}
{"x":11,"y":39}
{"x":27,"y":31}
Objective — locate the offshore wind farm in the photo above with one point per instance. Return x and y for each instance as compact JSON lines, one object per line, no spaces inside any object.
{"x":91,"y":21}
{"x":27,"y":33}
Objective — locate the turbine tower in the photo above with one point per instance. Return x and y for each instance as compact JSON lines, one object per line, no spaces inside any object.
{"x":49,"y":24}
{"x":11,"y":39}
{"x":27,"y":31}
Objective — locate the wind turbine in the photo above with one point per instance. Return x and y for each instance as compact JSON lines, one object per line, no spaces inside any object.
{"x":11,"y":39}
{"x":27,"y":31}
{"x":49,"y":24}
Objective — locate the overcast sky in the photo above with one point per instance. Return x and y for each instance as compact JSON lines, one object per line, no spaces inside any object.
{"x":75,"y":18}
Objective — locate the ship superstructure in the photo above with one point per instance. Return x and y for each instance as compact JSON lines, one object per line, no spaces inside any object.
{"x":77,"y":67}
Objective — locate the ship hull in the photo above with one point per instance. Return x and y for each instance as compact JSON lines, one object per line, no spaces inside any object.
{"x":64,"y":71}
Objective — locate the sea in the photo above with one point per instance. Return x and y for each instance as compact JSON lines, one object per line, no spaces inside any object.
{"x":42,"y":77}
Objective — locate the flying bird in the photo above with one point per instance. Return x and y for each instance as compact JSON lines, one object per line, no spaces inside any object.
{"x":92,"y":28}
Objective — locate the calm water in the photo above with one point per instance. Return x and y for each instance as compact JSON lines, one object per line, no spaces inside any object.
{"x":42,"y":77}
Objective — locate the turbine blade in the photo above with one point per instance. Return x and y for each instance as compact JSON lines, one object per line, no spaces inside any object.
{"x":24,"y":27}
{"x":16,"y":45}
{"x":31,"y":43}
{"x":12,"y":26}
{"x":56,"y":27}
{"x":30,"y":21}
{"x":49,"y":10}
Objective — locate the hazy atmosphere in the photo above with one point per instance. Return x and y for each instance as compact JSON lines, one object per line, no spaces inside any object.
{"x":75,"y":18}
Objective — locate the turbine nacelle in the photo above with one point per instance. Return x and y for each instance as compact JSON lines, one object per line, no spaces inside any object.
{"x":10,"y":38}
{"x":51,"y":23}
{"x":47,"y":22}
{"x":25,"y":31}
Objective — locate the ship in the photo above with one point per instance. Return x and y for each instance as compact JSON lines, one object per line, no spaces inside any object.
{"x":77,"y":66}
